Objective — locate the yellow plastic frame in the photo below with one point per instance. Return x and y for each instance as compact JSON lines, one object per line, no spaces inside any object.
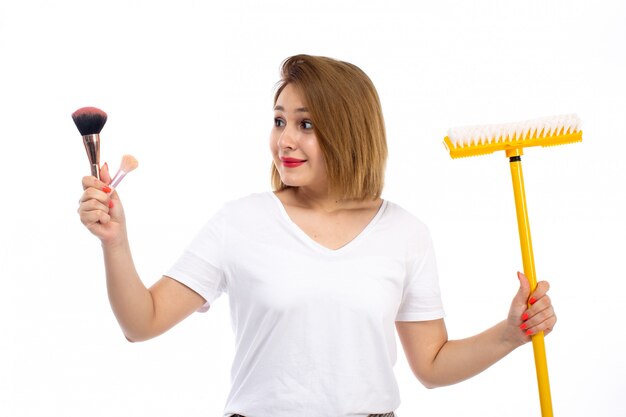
{"x":510,"y":145}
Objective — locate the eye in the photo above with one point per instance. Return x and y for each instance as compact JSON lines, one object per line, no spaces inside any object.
{"x":306,"y":124}
{"x":278,"y":122}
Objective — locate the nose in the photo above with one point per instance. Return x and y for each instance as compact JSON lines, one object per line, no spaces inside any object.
{"x":287,"y":139}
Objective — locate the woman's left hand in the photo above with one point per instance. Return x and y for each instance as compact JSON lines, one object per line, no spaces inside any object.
{"x":525,"y":321}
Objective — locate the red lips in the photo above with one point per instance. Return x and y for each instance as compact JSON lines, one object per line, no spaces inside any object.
{"x":292,"y":162}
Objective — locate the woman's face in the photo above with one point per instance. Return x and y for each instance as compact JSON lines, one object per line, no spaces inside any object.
{"x":295,"y":149}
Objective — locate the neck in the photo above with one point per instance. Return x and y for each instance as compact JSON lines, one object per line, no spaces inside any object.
{"x":324,"y":201}
{"x":317,"y":199}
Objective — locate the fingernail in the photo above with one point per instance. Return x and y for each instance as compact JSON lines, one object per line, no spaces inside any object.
{"x":532,"y":301}
{"x":529,"y":332}
{"x":523,"y":326}
{"x":106,"y":189}
{"x":524,"y":316}
{"x":110,"y":203}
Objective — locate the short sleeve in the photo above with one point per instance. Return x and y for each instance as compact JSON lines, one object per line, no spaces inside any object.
{"x":421,"y":298}
{"x":200,"y":266}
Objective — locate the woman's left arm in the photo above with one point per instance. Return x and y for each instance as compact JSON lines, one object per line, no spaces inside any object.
{"x":437,"y":361}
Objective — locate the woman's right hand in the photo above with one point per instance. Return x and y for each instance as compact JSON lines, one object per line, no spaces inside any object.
{"x":101,"y":211}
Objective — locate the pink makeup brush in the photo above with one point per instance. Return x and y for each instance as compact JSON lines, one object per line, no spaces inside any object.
{"x":128,"y":164}
{"x":90,"y":121}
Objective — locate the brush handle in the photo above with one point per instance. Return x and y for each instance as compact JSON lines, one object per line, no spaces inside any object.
{"x":95,"y":170}
{"x":523,"y":225}
{"x":92,"y":147}
{"x":119,"y":176}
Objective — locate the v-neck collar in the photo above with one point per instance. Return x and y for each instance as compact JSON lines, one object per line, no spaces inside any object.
{"x":309,"y":241}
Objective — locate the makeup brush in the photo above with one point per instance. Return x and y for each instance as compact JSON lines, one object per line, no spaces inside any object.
{"x":128,"y":164}
{"x":90,"y":121}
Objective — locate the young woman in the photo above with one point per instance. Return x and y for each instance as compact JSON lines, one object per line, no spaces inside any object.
{"x":317,"y":272}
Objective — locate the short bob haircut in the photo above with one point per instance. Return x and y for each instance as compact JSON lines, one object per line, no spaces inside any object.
{"x":347,"y":120}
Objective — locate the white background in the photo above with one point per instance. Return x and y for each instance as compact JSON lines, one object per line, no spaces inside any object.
{"x":188,"y":88}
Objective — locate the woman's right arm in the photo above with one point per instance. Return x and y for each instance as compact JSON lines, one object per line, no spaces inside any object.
{"x":141,"y":312}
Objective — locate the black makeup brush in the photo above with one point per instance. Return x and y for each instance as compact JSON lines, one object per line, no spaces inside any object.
{"x":90,"y":121}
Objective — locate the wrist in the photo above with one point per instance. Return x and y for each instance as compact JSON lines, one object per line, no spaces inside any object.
{"x":116,"y":244}
{"x":511,"y":335}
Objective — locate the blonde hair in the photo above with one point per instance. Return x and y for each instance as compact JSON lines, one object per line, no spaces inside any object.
{"x":348,"y":122}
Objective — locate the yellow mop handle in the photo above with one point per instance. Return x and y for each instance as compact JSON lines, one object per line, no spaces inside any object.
{"x":523,"y":224}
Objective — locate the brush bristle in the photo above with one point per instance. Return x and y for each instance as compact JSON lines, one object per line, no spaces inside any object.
{"x":89,"y":120}
{"x":484,"y":139}
{"x":528,"y":129}
{"x":129,"y":163}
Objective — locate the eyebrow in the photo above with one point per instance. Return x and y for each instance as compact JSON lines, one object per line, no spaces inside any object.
{"x":298,"y":110}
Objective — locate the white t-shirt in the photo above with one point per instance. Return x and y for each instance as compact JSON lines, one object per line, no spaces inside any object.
{"x":314,"y":327}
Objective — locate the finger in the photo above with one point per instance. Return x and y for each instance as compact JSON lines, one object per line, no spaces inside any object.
{"x":524,"y":289}
{"x":540,"y":291}
{"x":95,"y":194}
{"x":105,"y":175}
{"x":544,"y":304}
{"x":93,"y":205}
{"x":92,"y":182}
{"x":542,"y":322}
{"x":535,"y":317}
{"x":539,"y":317}
{"x":90,"y":218}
